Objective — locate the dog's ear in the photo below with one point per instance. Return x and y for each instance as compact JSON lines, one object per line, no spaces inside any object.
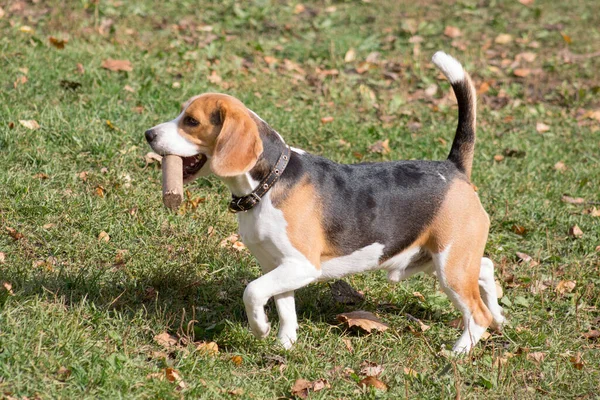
{"x":238,"y":145}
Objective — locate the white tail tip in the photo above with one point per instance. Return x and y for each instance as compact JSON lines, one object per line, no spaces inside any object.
{"x":449,"y":66}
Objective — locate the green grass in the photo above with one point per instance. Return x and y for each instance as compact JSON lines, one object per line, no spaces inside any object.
{"x":79,"y":306}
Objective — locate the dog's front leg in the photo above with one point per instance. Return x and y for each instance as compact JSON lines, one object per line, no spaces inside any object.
{"x":288,"y":321}
{"x":281,"y":282}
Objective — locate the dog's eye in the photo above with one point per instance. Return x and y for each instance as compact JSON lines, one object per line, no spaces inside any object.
{"x":189,"y":121}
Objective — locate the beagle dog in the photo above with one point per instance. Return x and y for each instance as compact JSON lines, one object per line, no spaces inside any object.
{"x":307,"y":219}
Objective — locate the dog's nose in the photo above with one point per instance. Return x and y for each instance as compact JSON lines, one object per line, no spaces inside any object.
{"x":150,"y":135}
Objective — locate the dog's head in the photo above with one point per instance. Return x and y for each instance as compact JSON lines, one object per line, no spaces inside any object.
{"x":214,"y":133}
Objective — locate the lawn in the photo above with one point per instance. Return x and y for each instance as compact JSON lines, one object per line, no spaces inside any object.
{"x":104,"y":293}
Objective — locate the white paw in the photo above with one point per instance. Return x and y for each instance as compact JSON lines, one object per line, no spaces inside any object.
{"x":260,"y":329}
{"x":287,"y":338}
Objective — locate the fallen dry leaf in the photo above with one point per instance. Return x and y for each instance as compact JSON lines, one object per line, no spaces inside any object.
{"x":302,"y":387}
{"x":498,"y":157}
{"x":503,"y":38}
{"x":523,"y":257}
{"x":381,"y":147}
{"x":560,"y":166}
{"x":572,"y":200}
{"x":526,"y":56}
{"x":41,"y":175}
{"x":577,"y":361}
{"x":593,"y":334}
{"x":452,"y":31}
{"x":99,"y":191}
{"x":173,"y":376}
{"x":542,"y":127}
{"x":536,"y":356}
{"x":215,"y":78}
{"x":103,"y":236}
{"x":518,"y":229}
{"x":373,"y":382}
{"x":565,"y":287}
{"x":29,"y":124}
{"x":63,"y":374}
{"x":364,"y":320}
{"x":237,"y":360}
{"x":49,"y":225}
{"x":8,"y":287}
{"x":369,"y":368}
{"x":483,"y":88}
{"x":350,"y":55}
{"x":152,"y":157}
{"x":410,"y":372}
{"x":207,"y":348}
{"x":58,"y":43}
{"x":166,"y":340}
{"x":239,"y":246}
{"x":575,"y":231}
{"x":14,"y":233}
{"x":83,"y":175}
{"x":594,"y":212}
{"x":231,"y":239}
{"x":117,"y":65}
{"x":521,"y":72}
{"x":121,"y":257}
{"x":526,"y":2}
{"x":348,"y":343}
{"x":2,"y":258}
{"x":326,"y":120}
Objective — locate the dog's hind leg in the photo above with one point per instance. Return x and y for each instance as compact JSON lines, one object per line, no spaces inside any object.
{"x":458,"y":272}
{"x":487,"y":286}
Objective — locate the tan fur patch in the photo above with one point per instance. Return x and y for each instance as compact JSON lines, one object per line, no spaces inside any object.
{"x":301,"y":209}
{"x":463,"y":225}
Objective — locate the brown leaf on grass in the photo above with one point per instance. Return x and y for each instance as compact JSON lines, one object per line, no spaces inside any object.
{"x":348,"y":344}
{"x":498,"y":157}
{"x":526,"y":2}
{"x":521,"y":72}
{"x":215,"y":78}
{"x":326,"y":120}
{"x":456,"y":323}
{"x":523,"y":257}
{"x":207,"y":348}
{"x":83,"y":175}
{"x":229,"y":240}
{"x":8,"y":287}
{"x":58,"y":43}
{"x":452,"y":31}
{"x":14,"y":233}
{"x":41,"y":175}
{"x":594,"y":212}
{"x":538,"y":287}
{"x":503,"y":38}
{"x":565,"y":287}
{"x":526,"y":56}
{"x":117,"y":65}
{"x":103,"y":236}
{"x":173,"y":376}
{"x":371,"y":381}
{"x":410,"y":372}
{"x":151,"y":157}
{"x":560,"y":166}
{"x":577,"y":361}
{"x":343,"y":293}
{"x":499,"y":290}
{"x":575,"y":231}
{"x":63,"y":374}
{"x":572,"y":200}
{"x":566,"y":38}
{"x":21,"y":80}
{"x":518,"y":229}
{"x":100,"y":191}
{"x":369,"y":368}
{"x":593,"y":334}
{"x":29,"y":124}
{"x":2,"y":258}
{"x":483,"y":88}
{"x":364,"y":320}
{"x":419,"y":296}
{"x":237,"y":360}
{"x":541,"y":127}
{"x":302,"y":387}
{"x":350,"y":55}
{"x":536,"y":356}
{"x":381,"y":147}
{"x":166,"y":340}
{"x":121,"y":257}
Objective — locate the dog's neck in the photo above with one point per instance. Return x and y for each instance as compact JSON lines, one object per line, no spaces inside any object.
{"x":273,"y":147}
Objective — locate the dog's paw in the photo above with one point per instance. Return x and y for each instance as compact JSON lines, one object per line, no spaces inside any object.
{"x":287,"y":338}
{"x":260,"y":329}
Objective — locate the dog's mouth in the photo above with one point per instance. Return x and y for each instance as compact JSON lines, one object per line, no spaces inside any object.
{"x":193,"y":164}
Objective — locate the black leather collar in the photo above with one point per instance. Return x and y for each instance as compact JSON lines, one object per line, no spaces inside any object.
{"x":246,"y":203}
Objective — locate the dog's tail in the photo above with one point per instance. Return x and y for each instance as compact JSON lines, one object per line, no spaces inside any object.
{"x":463,"y":145}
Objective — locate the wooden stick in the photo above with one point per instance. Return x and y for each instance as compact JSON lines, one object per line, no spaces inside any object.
{"x":172,"y":181}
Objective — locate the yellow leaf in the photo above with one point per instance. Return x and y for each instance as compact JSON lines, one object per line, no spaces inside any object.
{"x":103,"y":236}
{"x":210,"y":348}
{"x":503,"y":38}
{"x":566,"y":38}
{"x":29,"y":124}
